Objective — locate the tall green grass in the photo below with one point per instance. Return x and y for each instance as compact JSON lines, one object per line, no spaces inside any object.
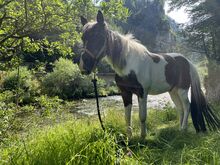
{"x":83,"y":142}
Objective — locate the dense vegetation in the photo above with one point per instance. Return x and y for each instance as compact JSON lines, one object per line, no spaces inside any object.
{"x":35,"y":34}
{"x":83,"y":142}
{"x":39,"y":85}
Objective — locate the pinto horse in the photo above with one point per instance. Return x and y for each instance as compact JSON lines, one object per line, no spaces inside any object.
{"x":141,"y":72}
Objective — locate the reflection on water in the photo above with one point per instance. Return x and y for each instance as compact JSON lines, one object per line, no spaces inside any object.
{"x":88,"y":106}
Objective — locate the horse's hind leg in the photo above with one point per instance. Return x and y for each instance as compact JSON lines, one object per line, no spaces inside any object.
{"x":183,"y":95}
{"x":175,"y":98}
{"x":142,"y":101}
{"x":127,"y":100}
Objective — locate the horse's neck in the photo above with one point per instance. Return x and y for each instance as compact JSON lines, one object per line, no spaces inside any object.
{"x":115,"y":51}
{"x":124,"y":55}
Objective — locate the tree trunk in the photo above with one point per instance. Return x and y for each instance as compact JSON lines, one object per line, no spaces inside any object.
{"x":212,"y":82}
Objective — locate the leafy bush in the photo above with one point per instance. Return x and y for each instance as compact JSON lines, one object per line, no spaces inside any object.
{"x":7,"y":115}
{"x":2,"y":75}
{"x":66,"y":81}
{"x":7,"y":96}
{"x":47,"y":105}
{"x":26,"y":84}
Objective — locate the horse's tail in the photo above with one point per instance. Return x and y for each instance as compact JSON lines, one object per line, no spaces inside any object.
{"x":201,"y":111}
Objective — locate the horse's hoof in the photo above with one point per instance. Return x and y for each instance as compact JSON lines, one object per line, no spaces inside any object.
{"x":183,"y":130}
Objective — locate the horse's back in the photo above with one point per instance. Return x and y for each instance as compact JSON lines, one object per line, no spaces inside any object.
{"x":169,"y":70}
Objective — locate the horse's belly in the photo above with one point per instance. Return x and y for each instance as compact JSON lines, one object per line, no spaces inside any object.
{"x":156,"y":91}
{"x":158,"y":88}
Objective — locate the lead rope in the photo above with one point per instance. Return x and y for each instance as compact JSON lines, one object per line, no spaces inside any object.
{"x":94,"y":81}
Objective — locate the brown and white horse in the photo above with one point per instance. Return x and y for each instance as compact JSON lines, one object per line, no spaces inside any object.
{"x":141,"y":72}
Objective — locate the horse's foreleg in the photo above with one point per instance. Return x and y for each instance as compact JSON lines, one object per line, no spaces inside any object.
{"x":128,"y":120}
{"x":127,"y":99}
{"x":142,"y":101}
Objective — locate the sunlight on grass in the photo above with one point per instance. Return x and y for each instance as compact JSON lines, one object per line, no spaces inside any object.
{"x":83,"y":142}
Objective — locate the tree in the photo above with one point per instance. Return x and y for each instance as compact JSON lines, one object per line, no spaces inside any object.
{"x":50,"y":26}
{"x":204,"y":28}
{"x":149,"y":24}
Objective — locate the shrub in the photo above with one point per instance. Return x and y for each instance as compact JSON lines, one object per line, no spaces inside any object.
{"x":7,"y":96}
{"x":7,"y":116}
{"x":2,"y":75}
{"x":26,"y":84}
{"x":46,"y":105}
{"x":66,"y":81}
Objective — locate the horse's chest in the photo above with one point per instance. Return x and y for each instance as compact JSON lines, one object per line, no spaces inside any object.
{"x":130,"y":83}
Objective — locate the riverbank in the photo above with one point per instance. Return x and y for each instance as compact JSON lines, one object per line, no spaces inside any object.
{"x":88,"y":106}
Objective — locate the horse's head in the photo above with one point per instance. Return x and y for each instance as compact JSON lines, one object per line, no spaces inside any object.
{"x":94,"y":39}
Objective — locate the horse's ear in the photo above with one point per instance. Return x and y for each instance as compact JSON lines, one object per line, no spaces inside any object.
{"x":83,"y":20}
{"x":100,"y":17}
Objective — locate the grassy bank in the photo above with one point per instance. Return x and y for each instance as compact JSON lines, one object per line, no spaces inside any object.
{"x":81,"y":141}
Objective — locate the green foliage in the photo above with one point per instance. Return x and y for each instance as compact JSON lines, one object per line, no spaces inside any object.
{"x":66,"y":81}
{"x":49,"y":27}
{"x":47,"y":105}
{"x":204,"y":29}
{"x":7,"y":116}
{"x":115,"y":9}
{"x":6,"y":96}
{"x":40,"y":24}
{"x":66,"y":144}
{"x":22,"y":82}
{"x":83,"y":142}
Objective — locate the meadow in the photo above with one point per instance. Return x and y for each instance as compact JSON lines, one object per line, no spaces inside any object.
{"x":74,"y":139}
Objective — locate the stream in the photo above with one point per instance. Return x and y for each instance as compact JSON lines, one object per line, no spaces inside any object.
{"x":88,"y":106}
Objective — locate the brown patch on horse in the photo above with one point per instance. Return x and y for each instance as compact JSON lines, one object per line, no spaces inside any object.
{"x":155,"y":57}
{"x":129,"y":85}
{"x":184,"y":72}
{"x":177,"y":72}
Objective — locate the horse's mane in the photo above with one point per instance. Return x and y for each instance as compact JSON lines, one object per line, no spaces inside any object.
{"x":121,"y":46}
{"x":134,"y":43}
